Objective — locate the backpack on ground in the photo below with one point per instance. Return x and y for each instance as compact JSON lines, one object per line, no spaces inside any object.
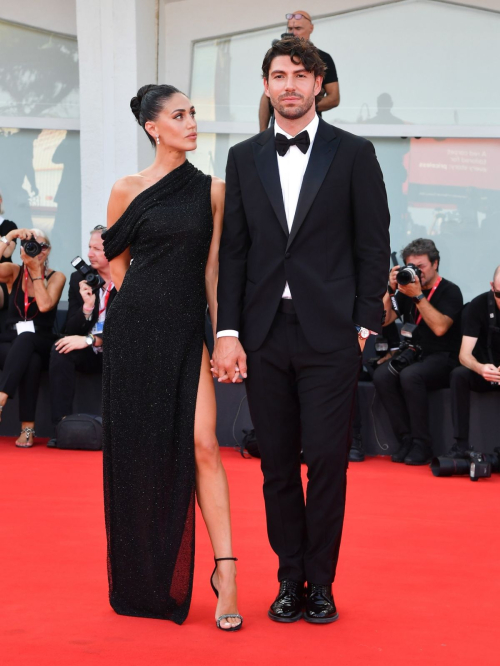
{"x":80,"y":431}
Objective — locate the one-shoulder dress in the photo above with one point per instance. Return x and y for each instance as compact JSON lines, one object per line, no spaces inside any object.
{"x":152,"y":346}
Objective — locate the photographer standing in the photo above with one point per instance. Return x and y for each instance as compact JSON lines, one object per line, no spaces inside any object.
{"x":430,"y":307}
{"x":480,"y":359}
{"x":81,"y":348}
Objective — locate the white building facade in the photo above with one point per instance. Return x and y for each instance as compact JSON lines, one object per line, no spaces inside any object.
{"x":417,"y":77}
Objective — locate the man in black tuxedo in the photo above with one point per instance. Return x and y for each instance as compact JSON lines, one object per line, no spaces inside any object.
{"x":304,"y":256}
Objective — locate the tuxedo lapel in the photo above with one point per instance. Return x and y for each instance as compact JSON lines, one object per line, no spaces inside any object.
{"x":322,"y":153}
{"x":267,"y":167}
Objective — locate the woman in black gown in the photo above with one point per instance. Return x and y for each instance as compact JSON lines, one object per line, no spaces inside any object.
{"x":158,"y":396}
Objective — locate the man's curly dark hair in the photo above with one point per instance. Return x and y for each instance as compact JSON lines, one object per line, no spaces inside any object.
{"x":300,"y":51}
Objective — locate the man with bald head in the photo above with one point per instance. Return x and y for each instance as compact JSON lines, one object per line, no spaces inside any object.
{"x":480,"y":359}
{"x":299,"y":24}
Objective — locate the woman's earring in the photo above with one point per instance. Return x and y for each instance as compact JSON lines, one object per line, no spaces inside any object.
{"x":158,"y":140}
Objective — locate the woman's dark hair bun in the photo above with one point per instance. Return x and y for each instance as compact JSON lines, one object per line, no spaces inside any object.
{"x":148,"y":103}
{"x":135,"y":102}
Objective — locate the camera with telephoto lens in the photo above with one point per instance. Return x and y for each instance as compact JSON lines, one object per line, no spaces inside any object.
{"x":408,"y":353}
{"x":32,"y":247}
{"x":408,"y":274}
{"x":476,"y":465}
{"x":93,"y":279}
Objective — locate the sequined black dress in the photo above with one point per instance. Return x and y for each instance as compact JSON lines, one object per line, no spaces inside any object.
{"x":153,"y":341}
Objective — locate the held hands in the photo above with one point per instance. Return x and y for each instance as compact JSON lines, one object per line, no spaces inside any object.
{"x":71,"y":343}
{"x":490,"y":373}
{"x":87,"y":295}
{"x":229,"y":361}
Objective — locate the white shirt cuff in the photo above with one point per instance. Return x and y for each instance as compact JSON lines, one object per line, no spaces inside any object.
{"x":228,"y":333}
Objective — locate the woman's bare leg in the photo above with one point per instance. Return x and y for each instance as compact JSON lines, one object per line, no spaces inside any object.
{"x":213,"y":493}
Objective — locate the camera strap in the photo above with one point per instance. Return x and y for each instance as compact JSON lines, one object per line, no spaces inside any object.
{"x":436,"y":285}
{"x":106,"y":299}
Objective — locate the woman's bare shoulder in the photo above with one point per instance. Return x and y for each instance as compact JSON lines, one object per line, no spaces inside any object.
{"x":123,"y":192}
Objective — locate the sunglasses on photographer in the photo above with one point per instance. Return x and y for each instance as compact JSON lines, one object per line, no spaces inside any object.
{"x":297,"y":16}
{"x":496,"y":293}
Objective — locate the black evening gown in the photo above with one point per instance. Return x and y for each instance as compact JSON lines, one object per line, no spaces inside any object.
{"x":153,"y":343}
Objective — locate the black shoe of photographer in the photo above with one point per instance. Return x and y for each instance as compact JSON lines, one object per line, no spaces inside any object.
{"x":403,"y":451}
{"x":320,"y":606}
{"x":457,"y":452}
{"x":52,"y":443}
{"x":420,"y":453}
{"x":356,"y":453}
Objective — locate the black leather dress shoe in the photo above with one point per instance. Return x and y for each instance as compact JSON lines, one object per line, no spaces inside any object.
{"x":403,"y":451}
{"x":288,"y":605}
{"x":420,"y":453}
{"x":457,"y":452}
{"x":356,"y":453}
{"x":320,"y":606}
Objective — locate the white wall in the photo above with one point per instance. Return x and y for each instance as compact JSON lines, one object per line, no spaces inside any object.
{"x":52,"y":15}
{"x":117,"y":49}
{"x":185,"y":21}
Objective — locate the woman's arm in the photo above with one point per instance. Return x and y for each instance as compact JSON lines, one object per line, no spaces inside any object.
{"x":8,"y":271}
{"x":119,"y":199}
{"x":212,"y":270}
{"x":47,"y":294}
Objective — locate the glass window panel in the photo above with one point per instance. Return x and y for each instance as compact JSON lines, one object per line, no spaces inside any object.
{"x":413,"y":62}
{"x":447,"y":190}
{"x":40,"y":186}
{"x":211,"y":153}
{"x":38,"y":73}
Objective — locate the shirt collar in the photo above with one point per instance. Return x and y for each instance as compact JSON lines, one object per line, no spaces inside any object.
{"x":311,"y":129}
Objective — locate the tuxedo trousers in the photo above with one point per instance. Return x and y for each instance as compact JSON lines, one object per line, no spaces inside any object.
{"x":300,"y":398}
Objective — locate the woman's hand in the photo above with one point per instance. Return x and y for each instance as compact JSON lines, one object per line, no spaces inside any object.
{"x":71,"y":343}
{"x":23,"y":234}
{"x":88,"y":296}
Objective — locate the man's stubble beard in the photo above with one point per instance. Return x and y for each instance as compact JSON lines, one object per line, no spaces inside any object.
{"x":295,"y":112}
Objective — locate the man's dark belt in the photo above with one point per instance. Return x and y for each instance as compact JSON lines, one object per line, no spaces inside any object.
{"x":286,"y":306}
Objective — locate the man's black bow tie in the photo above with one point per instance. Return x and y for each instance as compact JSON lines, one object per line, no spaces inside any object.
{"x":302,"y":141}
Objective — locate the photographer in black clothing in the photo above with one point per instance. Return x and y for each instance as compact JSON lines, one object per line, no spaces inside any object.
{"x":432,"y":306}
{"x":81,"y":347}
{"x":480,"y":359}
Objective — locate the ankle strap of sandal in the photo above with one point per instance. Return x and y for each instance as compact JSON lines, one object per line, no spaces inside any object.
{"x":220,"y":559}
{"x":28,"y":432}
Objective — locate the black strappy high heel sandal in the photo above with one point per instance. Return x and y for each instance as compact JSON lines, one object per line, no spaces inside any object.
{"x":216,"y":592}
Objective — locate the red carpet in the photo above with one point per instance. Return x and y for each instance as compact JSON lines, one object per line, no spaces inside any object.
{"x":418,"y":578}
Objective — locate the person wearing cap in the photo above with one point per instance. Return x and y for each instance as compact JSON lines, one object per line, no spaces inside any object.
{"x":300,"y":24}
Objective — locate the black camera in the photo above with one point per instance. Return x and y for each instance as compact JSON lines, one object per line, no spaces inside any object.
{"x":32,"y":247}
{"x":408,"y":352}
{"x":476,"y":465}
{"x":93,"y":279}
{"x":408,"y":274}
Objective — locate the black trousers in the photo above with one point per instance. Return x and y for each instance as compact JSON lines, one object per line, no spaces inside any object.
{"x":300,"y":398}
{"x":62,"y":376}
{"x":405,"y":398}
{"x":22,"y":361}
{"x":462,"y":382}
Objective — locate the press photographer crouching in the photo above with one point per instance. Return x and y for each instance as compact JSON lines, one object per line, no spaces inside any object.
{"x":25,"y":346}
{"x":91,"y":292}
{"x":430,"y":308}
{"x":480,"y":359}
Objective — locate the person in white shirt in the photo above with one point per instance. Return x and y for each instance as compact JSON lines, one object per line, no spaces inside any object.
{"x":303,"y":260}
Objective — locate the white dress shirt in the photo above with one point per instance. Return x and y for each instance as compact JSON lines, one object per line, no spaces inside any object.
{"x":292,"y":167}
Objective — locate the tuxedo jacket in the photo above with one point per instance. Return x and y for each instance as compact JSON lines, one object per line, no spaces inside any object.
{"x":76,"y":322}
{"x":336,"y":256}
